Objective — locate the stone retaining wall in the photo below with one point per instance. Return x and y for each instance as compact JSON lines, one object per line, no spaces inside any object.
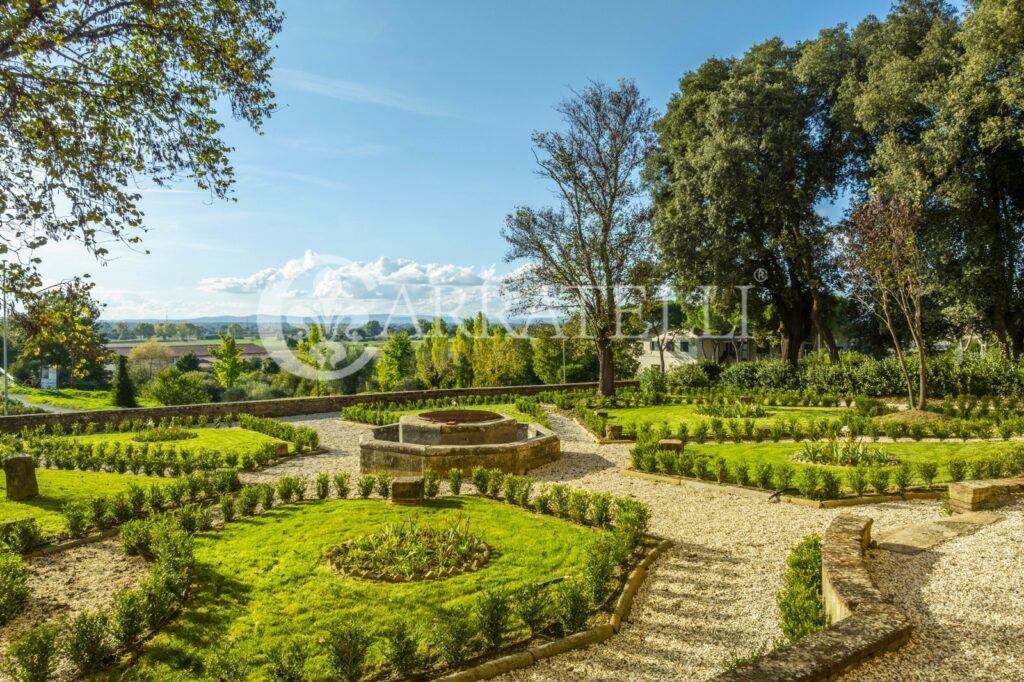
{"x":968,"y":496}
{"x":283,"y":407}
{"x":863,"y":625}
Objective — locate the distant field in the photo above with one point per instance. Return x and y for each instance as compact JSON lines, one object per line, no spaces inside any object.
{"x":73,"y":398}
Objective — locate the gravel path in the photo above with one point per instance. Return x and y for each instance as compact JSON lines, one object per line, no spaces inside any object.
{"x":966,"y":598}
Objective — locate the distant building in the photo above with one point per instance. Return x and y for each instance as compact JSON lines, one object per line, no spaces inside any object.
{"x":684,"y":347}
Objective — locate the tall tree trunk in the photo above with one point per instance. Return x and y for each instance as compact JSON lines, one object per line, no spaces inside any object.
{"x":793,"y":333}
{"x":818,"y":319}
{"x":899,"y":354}
{"x":606,"y":366}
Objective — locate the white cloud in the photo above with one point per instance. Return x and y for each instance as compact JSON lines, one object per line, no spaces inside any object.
{"x":258,"y":280}
{"x":351,"y":91}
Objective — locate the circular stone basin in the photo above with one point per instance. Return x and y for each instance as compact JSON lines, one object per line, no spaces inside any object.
{"x":459,"y":416}
{"x":457,"y":427}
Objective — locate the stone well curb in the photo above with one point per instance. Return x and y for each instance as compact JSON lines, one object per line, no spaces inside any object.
{"x":580,"y":640}
{"x":764,"y":494}
{"x":862,"y":623}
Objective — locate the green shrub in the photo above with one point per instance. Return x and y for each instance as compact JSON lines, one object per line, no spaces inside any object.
{"x":288,"y":661}
{"x":248,"y":500}
{"x":347,"y":645}
{"x":559,"y":493}
{"x":784,"y":476}
{"x":86,"y":642}
{"x":763,"y":474}
{"x":225,"y":663}
{"x":830,"y":485}
{"x":455,"y":481}
{"x":342,"y":484}
{"x":21,"y":536}
{"x":495,"y":483}
{"x":810,"y":482}
{"x":927,"y":471}
{"x":135,"y":538}
{"x":267,"y":494}
{"x":880,"y":480}
{"x":366,"y":485}
{"x":492,"y":614}
{"x":431,"y":483}
{"x":128,"y":618}
{"x":570,"y":605}
{"x":799,"y":601}
{"x":481,"y":479}
{"x":451,"y":635}
{"x":13,"y":585}
{"x":402,"y":647}
{"x":601,"y":509}
{"x":632,"y":519}
{"x":530,"y":605}
{"x":32,"y":657}
{"x":384,"y":484}
{"x":903,"y":476}
{"x":227,"y":508}
{"x":77,"y":516}
{"x":323,"y":485}
{"x":857,"y":480}
{"x":579,"y":505}
{"x":599,"y":568}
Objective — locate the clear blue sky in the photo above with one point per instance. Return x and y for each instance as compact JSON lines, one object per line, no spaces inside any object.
{"x":403,"y":133}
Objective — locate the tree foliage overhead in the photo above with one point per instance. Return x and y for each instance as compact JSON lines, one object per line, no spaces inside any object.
{"x":99,"y":95}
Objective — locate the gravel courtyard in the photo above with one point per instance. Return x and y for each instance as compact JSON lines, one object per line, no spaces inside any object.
{"x":712,"y":596}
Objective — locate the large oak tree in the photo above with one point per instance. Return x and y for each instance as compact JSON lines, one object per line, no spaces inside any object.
{"x":748,"y":150}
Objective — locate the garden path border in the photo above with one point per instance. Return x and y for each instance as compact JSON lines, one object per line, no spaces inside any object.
{"x":863,"y":624}
{"x":579,"y":640}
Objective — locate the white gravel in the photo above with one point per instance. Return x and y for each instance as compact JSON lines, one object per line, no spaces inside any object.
{"x":713,"y":595}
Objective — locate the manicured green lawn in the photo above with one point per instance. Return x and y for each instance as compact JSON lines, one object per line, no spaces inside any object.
{"x":57,"y":488}
{"x":223,"y":439}
{"x":676,"y":414}
{"x":263,"y":580}
{"x":780,"y":453}
{"x":504,"y":408}
{"x":73,"y":398}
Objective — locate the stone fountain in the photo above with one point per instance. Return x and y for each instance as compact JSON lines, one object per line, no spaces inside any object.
{"x":457,"y":439}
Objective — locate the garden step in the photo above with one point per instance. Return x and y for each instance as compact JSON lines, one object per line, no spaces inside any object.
{"x":919,"y":537}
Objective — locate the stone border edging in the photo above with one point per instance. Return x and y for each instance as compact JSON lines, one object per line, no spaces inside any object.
{"x":579,"y":640}
{"x":968,"y":496}
{"x":863,"y":624}
{"x":765,"y":494}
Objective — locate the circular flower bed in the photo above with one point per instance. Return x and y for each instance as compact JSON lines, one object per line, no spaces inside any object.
{"x":164,"y":433}
{"x":411,"y":551}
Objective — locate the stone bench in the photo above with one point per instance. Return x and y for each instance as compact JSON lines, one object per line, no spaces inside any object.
{"x":863,"y":624}
{"x":968,"y":496}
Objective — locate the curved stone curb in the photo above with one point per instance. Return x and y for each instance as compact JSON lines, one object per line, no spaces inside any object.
{"x":580,"y":640}
{"x":968,"y":496}
{"x":863,"y":624}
